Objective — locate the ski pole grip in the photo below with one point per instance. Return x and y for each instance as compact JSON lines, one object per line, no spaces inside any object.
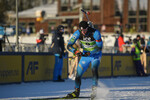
{"x":83,"y":11}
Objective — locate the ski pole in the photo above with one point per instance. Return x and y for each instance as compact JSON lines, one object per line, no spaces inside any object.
{"x":86,"y":13}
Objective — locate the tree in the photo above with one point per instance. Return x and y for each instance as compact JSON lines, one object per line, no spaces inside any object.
{"x":3,"y":10}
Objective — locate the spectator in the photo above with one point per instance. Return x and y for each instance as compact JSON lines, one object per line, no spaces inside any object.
{"x":1,"y":44}
{"x":116,"y":50}
{"x":117,"y":27}
{"x":58,"y":50}
{"x":127,"y":45}
{"x":103,"y":28}
{"x":139,"y":28}
{"x":138,"y":37}
{"x":121,"y":43}
{"x":142,"y":41}
{"x":143,"y":53}
{"x":41,"y":40}
{"x":2,"y":37}
{"x":129,"y":41}
{"x":52,"y":29}
{"x":136,"y":51}
{"x":28,"y":30}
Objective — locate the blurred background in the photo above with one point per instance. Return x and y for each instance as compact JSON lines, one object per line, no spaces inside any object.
{"x":22,"y":20}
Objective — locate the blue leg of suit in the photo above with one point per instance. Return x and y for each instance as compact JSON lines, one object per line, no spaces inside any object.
{"x":82,"y":67}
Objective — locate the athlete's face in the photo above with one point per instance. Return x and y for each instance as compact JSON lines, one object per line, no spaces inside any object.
{"x":83,"y":31}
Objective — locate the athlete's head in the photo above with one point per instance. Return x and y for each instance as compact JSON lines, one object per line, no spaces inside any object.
{"x":83,"y":25}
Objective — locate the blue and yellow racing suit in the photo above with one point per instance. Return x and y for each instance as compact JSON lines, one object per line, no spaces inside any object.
{"x":92,"y":44}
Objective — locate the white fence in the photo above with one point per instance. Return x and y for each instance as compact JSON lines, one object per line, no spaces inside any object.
{"x":25,"y":47}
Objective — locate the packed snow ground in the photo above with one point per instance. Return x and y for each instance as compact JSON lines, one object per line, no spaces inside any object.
{"x":120,"y":88}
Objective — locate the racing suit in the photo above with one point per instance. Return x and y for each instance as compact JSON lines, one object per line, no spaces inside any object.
{"x":92,"y":45}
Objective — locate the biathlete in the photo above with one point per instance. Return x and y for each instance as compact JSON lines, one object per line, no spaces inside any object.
{"x":91,"y":43}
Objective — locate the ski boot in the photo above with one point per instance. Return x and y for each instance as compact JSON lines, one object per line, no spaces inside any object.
{"x":94,"y":92}
{"x":74,"y":94}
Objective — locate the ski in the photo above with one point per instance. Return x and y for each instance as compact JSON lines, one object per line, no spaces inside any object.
{"x":65,"y":98}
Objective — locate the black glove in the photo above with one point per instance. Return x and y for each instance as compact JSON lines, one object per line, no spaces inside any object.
{"x":60,"y":56}
{"x":64,"y":54}
{"x":86,"y":54}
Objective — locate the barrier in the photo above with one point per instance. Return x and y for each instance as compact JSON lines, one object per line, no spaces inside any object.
{"x":65,"y":68}
{"x":123,"y":65}
{"x":104,"y":68}
{"x":29,"y":67}
{"x":116,"y":65}
{"x":148,"y":64}
{"x":10,"y":68}
{"x":38,"y":67}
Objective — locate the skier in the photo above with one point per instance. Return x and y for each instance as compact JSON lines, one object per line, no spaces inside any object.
{"x":91,"y":43}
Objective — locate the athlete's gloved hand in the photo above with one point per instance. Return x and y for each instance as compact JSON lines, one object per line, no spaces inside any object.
{"x":86,"y":54}
{"x":61,"y":55}
{"x":78,"y":53}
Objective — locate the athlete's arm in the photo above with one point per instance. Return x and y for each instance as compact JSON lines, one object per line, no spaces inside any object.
{"x":72,"y":41}
{"x":97,"y":37}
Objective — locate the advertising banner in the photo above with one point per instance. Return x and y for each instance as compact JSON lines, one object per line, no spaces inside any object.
{"x":148,"y":65}
{"x":123,"y":65}
{"x":41,"y":67}
{"x":38,"y":67}
{"x":65,"y":68}
{"x":10,"y":68}
{"x":104,"y":68}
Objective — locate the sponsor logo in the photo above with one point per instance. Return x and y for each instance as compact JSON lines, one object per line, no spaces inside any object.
{"x":87,"y":39}
{"x":32,"y":67}
{"x":117,"y":65}
{"x":83,"y":62}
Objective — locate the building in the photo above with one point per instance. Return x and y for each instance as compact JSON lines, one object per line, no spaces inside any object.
{"x":116,"y":15}
{"x":132,"y":15}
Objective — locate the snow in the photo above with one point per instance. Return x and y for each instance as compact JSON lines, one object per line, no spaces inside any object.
{"x":118,"y":88}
